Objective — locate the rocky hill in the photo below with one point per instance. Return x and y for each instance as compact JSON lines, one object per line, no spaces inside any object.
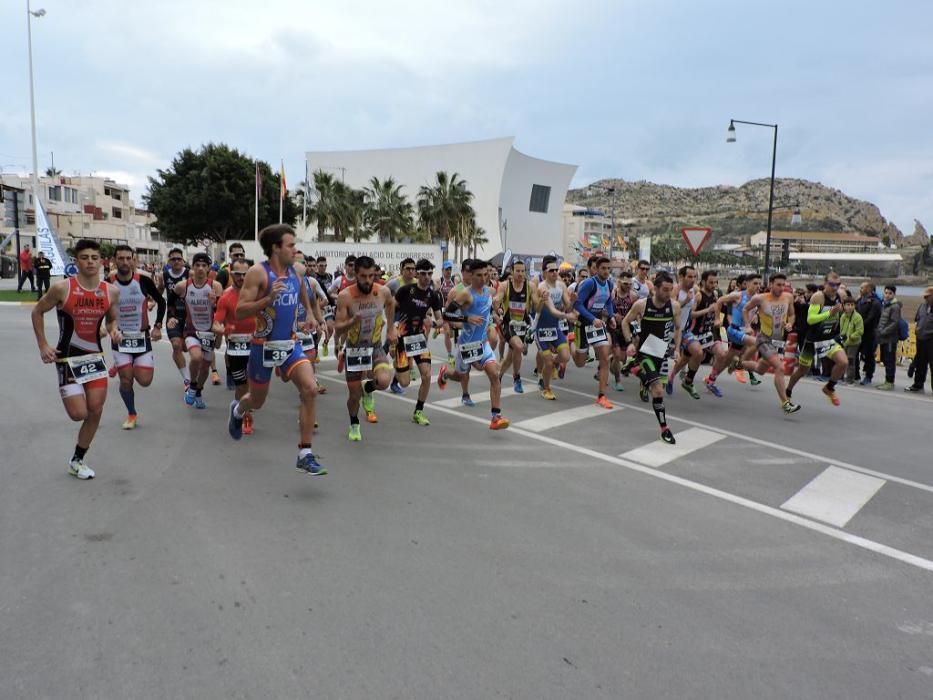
{"x":736,"y":212}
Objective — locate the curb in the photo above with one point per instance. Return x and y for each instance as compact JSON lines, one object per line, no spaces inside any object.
{"x":18,"y":303}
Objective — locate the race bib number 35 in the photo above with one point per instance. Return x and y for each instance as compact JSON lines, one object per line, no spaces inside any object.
{"x":276,"y":352}
{"x":87,"y":368}
{"x":132,"y":342}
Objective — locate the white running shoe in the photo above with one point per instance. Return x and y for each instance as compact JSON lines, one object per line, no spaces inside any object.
{"x":79,"y":469}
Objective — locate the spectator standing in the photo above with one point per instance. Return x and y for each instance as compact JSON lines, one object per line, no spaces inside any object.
{"x":888,"y":336}
{"x":25,"y":270}
{"x":924,"y":332}
{"x":869,"y":308}
{"x":43,"y":274}
{"x":851,"y":328}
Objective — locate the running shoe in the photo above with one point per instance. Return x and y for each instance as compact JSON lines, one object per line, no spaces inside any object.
{"x":831,"y":395}
{"x":442,"y":378}
{"x":498,"y":422}
{"x":643,"y":394}
{"x":248,"y":424}
{"x":668,"y":437}
{"x":590,"y":359}
{"x":886,"y":386}
{"x":325,"y":350}
{"x":913,"y":389}
{"x":309,"y":465}
{"x":321,"y":389}
{"x":199,"y":403}
{"x":618,"y":386}
{"x":130,"y":422}
{"x":561,"y":370}
{"x":467,"y":401}
{"x":540,"y":382}
{"x":626,"y":367}
{"x":234,"y":424}
{"x":740,"y":376}
{"x":215,"y":378}
{"x":604,"y":402}
{"x":549,"y":395}
{"x":419,"y":418}
{"x":77,"y":468}
{"x":753,"y":379}
{"x":789,"y":407}
{"x":354,"y":435}
{"x":395,"y":387}
{"x":517,"y":385}
{"x":340,"y":362}
{"x":412,"y":374}
{"x":450,"y":362}
{"x":712,"y":388}
{"x":866,"y":381}
{"x":189,"y":397}
{"x":669,"y":387}
{"x":690,"y":389}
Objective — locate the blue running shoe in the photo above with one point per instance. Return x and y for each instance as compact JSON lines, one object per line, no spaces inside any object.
{"x":234,"y":424}
{"x":189,"y":397}
{"x":467,"y":401}
{"x":309,"y":465}
{"x":712,"y":388}
{"x":199,"y":403}
{"x":396,"y":388}
{"x":517,"y":386}
{"x":669,"y":387}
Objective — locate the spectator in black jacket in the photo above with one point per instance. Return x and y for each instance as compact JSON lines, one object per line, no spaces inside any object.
{"x":43,"y":273}
{"x":924,"y":358}
{"x":869,"y":308}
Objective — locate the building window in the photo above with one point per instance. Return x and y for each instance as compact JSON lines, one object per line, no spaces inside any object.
{"x":117,"y":213}
{"x":540,"y":195}
{"x":55,"y":193}
{"x":116,"y":194}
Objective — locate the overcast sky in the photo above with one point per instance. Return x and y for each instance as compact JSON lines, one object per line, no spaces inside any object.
{"x":634,"y":89}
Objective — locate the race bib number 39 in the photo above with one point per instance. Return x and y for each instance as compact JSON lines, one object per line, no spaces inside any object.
{"x":359,"y":359}
{"x":415,"y":345}
{"x":132,"y":342}
{"x":276,"y":352}
{"x":87,"y":368}
{"x":471,"y":352}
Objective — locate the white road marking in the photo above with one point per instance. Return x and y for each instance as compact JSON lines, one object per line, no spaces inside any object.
{"x":834,"y":496}
{"x":656,"y":454}
{"x":559,"y":418}
{"x":773,"y":445}
{"x":478,"y":397}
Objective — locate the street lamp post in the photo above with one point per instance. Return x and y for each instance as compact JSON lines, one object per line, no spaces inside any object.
{"x":30,"y":13}
{"x":611,"y":190}
{"x":730,"y":138}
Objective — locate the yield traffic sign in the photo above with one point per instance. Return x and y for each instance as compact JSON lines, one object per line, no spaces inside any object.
{"x":696,"y":237}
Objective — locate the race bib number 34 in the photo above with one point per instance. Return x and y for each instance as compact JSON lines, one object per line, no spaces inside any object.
{"x":238,"y":345}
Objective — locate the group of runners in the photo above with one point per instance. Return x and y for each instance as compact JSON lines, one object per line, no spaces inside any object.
{"x":276,"y":317}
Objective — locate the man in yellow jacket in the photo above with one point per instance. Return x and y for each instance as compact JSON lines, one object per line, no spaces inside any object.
{"x":851,"y":329}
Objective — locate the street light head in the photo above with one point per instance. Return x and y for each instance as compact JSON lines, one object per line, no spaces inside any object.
{"x":37,"y":13}
{"x":730,"y":132}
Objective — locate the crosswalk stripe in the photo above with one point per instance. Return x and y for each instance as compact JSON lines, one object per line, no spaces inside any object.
{"x":559,"y":418}
{"x":834,"y":496}
{"x":656,"y":454}
{"x":478,"y":397}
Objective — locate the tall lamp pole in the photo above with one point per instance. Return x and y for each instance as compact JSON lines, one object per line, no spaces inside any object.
{"x":730,"y":138}
{"x":30,"y":13}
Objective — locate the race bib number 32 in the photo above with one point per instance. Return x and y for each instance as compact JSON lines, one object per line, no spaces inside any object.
{"x":415,"y":345}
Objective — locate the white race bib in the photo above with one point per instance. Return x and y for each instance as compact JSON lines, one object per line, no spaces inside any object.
{"x":653,"y":346}
{"x":87,"y":368}
{"x":706,"y":340}
{"x":547,"y":335}
{"x":206,"y":338}
{"x":595,"y":335}
{"x":359,"y":359}
{"x":238,"y":345}
{"x":518,"y":328}
{"x":307,"y":341}
{"x":821,"y":348}
{"x":415,"y":345}
{"x":471,"y":352}
{"x":276,"y":352}
{"x":133,"y":342}
{"x":563,"y":325}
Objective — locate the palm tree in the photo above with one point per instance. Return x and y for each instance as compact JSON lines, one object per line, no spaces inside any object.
{"x":388,"y":213}
{"x":443,"y":208}
{"x":347,"y":215}
{"x":322,"y":212}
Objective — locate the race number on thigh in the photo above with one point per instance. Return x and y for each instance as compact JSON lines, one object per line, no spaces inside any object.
{"x":206,"y":338}
{"x":547,"y":335}
{"x":653,"y":346}
{"x":595,"y":334}
{"x":87,"y":368}
{"x":238,"y":345}
{"x":359,"y":359}
{"x":518,"y":328}
{"x":821,"y":348}
{"x":415,"y":345}
{"x":276,"y":352}
{"x":132,"y":342}
{"x":471,"y":352}
{"x":307,"y":341}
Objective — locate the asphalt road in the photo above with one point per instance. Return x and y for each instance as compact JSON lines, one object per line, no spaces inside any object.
{"x":455,"y":562}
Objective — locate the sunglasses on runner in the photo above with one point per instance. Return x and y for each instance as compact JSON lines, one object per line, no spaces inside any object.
{"x":176,"y":259}
{"x":551,"y":269}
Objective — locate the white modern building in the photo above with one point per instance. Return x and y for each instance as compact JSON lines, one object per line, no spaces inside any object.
{"x":518,"y":199}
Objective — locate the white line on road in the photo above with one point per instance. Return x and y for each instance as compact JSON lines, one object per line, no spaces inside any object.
{"x":835,"y":533}
{"x":655,"y":455}
{"x":834,"y":496}
{"x":478,"y":397}
{"x":773,"y":445}
{"x":559,"y":418}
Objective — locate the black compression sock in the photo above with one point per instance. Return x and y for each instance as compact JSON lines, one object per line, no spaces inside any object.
{"x":658,"y":405}
{"x":369,"y":387}
{"x":80,"y":452}
{"x":354,"y":420}
{"x":831,"y":385}
{"x":691,"y":373}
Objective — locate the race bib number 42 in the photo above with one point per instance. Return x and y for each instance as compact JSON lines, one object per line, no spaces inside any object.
{"x":87,"y":368}
{"x":132,"y":342}
{"x":276,"y":352}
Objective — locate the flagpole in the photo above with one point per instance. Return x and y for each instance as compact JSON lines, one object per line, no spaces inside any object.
{"x":257,"y":186}
{"x":304,"y":212}
{"x":281,"y":187}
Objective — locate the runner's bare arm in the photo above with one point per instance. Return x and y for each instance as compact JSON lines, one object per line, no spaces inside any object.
{"x":634,"y":314}
{"x":791,"y":314}
{"x":389,"y":306}
{"x":753,"y":303}
{"x":253,"y":296}
{"x":112,"y":316}
{"x":678,"y":330}
{"x":50,"y":300}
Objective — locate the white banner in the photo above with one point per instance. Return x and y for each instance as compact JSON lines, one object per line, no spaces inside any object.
{"x":644,"y":248}
{"x":47,"y":241}
{"x":387,"y":255}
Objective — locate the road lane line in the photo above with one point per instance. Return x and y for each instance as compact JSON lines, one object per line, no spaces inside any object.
{"x":773,"y":445}
{"x":656,"y":455}
{"x":478,"y":397}
{"x":834,"y":496}
{"x":558,"y":418}
{"x":841,"y":535}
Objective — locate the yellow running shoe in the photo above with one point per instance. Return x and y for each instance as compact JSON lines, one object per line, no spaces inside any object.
{"x":548,"y":394}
